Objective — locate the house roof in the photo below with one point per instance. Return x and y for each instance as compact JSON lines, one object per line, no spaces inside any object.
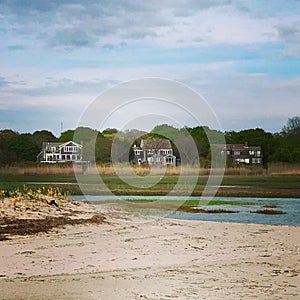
{"x":156,"y":144}
{"x":70,"y":143}
{"x":57,"y":144}
{"x":51,"y":144}
{"x":241,"y":147}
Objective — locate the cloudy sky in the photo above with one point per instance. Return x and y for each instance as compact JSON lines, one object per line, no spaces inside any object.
{"x":242,"y":56}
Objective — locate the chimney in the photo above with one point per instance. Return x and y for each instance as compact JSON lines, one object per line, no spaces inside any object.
{"x":246,"y":145}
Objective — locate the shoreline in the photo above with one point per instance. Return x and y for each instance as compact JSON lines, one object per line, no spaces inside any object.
{"x":135,"y":257}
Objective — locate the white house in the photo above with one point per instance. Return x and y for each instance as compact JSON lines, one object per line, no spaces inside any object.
{"x":53,"y":152}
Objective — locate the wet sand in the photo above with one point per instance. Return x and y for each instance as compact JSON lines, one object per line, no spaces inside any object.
{"x":134,"y":257}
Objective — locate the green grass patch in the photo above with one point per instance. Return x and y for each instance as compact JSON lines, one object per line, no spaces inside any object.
{"x":232,"y":186}
{"x":190,"y":203}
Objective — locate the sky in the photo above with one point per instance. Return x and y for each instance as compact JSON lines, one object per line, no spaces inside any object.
{"x":57,"y":57}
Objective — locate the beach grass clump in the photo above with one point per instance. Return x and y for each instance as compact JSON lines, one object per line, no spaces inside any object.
{"x":26,"y":211}
{"x":33,"y":199}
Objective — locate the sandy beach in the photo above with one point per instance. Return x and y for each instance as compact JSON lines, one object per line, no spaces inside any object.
{"x":135,"y":257}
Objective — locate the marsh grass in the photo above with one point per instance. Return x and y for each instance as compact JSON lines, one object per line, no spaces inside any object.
{"x":109,"y":169}
{"x":269,"y":212}
{"x":167,"y":207}
{"x":283,"y":169}
{"x":191,"y":203}
{"x":122,"y":169}
{"x":232,"y":185}
{"x":38,"y":169}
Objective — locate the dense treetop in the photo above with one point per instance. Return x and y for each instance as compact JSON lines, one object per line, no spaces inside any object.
{"x":279,"y":147}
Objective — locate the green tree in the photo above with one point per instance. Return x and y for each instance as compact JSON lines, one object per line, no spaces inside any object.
{"x":96,"y":147}
{"x":23,"y":147}
{"x":6,"y":155}
{"x":166,"y":131}
{"x":292,"y":126}
{"x":66,"y":136}
{"x":43,"y":136}
{"x":254,"y":137}
{"x":102,"y":149}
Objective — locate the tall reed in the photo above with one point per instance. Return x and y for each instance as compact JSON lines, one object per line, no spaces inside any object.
{"x":283,"y":169}
{"x":141,"y":170}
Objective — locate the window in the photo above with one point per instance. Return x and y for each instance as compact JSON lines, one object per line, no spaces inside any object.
{"x":258,"y":153}
{"x":237,"y":152}
{"x":166,"y":151}
{"x":256,"y":160}
{"x":70,"y":149}
{"x":169,"y":160}
{"x":251,"y":152}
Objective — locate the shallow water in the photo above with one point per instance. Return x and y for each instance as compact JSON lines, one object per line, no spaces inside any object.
{"x":244,"y":213}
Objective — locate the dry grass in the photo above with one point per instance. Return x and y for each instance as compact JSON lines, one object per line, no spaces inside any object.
{"x":284,"y":169}
{"x":38,"y":169}
{"x":123,"y":169}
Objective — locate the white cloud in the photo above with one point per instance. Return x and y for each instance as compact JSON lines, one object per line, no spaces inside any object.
{"x":62,"y":54}
{"x":238,"y":99}
{"x":167,"y":23}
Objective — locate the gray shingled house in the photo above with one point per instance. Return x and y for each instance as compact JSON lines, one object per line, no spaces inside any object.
{"x":154,"y":152}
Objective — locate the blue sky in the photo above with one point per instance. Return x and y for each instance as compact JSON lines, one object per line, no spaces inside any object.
{"x":57,"y":56}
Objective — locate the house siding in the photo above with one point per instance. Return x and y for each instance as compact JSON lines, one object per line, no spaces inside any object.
{"x":60,"y":152}
{"x":154,"y":152}
{"x":243,"y":153}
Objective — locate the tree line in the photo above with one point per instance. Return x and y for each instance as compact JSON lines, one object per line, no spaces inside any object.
{"x":283,"y":146}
